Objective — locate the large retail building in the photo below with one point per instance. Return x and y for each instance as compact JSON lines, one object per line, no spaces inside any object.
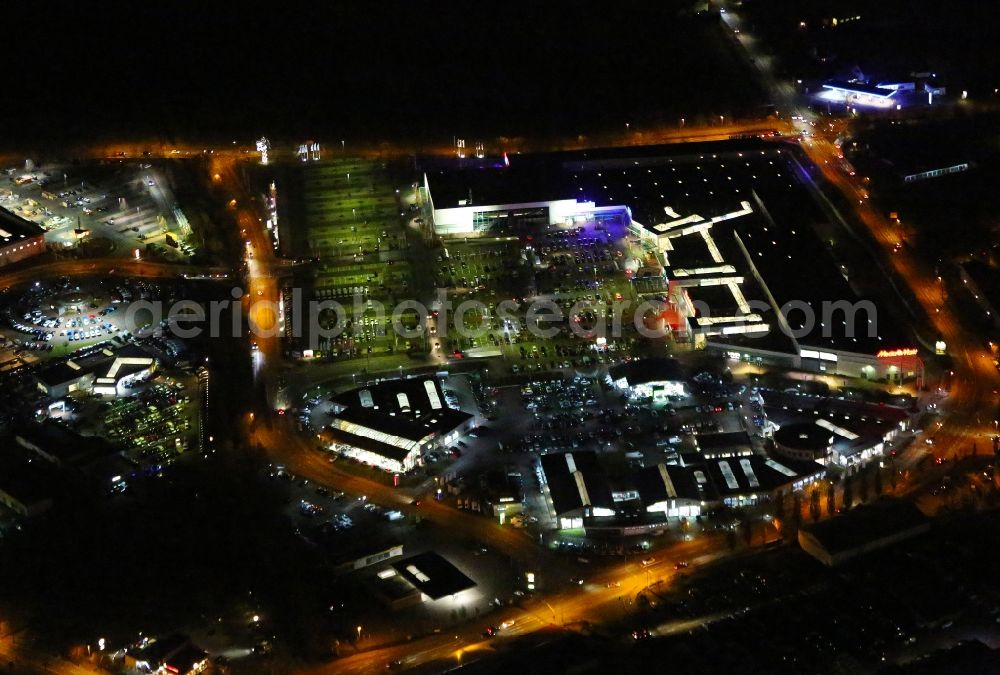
{"x":737,"y":227}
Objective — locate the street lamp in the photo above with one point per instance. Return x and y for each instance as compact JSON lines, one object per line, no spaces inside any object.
{"x":359,"y":632}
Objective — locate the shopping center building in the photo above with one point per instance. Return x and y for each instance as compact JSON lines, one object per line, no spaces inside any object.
{"x":736,"y":231}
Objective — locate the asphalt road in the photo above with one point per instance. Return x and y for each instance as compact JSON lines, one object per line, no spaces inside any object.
{"x":102,"y":267}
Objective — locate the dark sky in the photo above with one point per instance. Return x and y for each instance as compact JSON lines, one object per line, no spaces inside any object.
{"x":366,"y":69}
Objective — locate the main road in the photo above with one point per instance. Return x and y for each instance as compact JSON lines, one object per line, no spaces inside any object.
{"x":102,"y":267}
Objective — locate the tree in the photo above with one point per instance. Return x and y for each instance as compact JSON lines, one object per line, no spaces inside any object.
{"x":814,"y":499}
{"x":848,"y":492}
{"x":877,"y":480}
{"x":831,"y":499}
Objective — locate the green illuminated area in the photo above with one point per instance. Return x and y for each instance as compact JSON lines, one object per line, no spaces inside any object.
{"x":154,"y":427}
{"x":351,"y":214}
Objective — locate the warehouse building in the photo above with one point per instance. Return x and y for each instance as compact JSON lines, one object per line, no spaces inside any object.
{"x":581,"y":494}
{"x":393,"y":423}
{"x":576,"y":486}
{"x":20,"y":239}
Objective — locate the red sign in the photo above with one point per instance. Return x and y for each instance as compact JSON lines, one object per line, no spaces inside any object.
{"x":895,"y":353}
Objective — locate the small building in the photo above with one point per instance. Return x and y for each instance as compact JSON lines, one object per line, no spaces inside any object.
{"x":858,"y":93}
{"x":109,"y":372}
{"x":393,"y":590}
{"x":59,"y":380}
{"x":847,"y":433}
{"x":655,"y":378}
{"x":861,"y":530}
{"x":433,"y":575}
{"x":62,"y":447}
{"x":367,"y":554}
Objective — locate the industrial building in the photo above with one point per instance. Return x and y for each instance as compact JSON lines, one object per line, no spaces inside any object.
{"x":20,"y":239}
{"x":582,"y":495}
{"x":577,"y":487}
{"x":391,"y":424}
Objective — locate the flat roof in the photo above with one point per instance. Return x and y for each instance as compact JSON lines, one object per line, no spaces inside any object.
{"x":69,"y":447}
{"x":487,"y":182}
{"x":115,"y":363}
{"x":804,"y":436}
{"x":858,"y":88}
{"x":14,"y":228}
{"x":754,"y":473}
{"x":659,"y":483}
{"x":410,"y":408}
{"x":543,"y":177}
{"x":185,"y":658}
{"x":392,"y":588}
{"x":27,"y":480}
{"x":641,"y":371}
{"x":797,"y":266}
{"x":723,"y":440}
{"x":433,"y":575}
{"x":386,"y":450}
{"x":60,"y":373}
{"x":576,"y":480}
{"x":830,"y":405}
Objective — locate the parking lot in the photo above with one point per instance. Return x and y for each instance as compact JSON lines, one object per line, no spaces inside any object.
{"x":345,"y":527}
{"x":116,"y":206}
{"x":59,"y":317}
{"x":155,"y":426}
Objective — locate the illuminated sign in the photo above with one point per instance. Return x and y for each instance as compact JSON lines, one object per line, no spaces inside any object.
{"x":895,"y":353}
